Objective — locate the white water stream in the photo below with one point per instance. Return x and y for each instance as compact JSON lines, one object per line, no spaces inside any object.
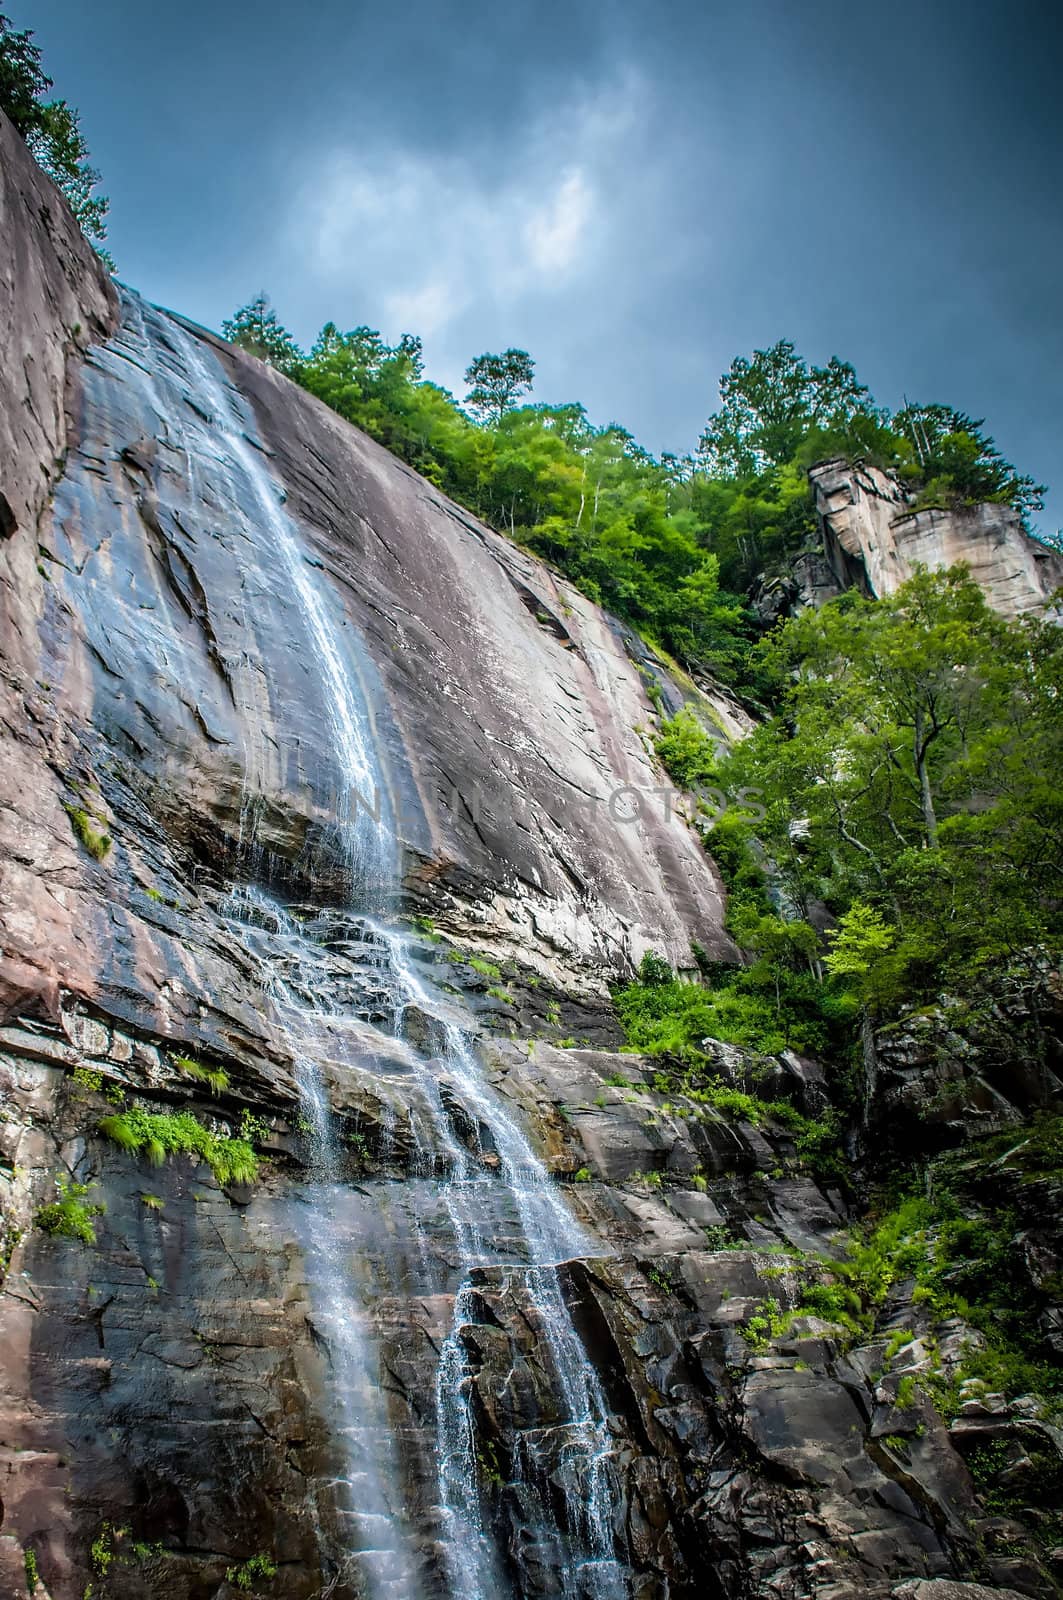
{"x":385,"y":1551}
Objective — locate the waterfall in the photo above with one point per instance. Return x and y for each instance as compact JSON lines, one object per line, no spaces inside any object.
{"x":509,"y":1199}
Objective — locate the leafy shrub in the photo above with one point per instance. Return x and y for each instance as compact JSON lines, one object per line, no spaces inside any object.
{"x":244,"y":1576}
{"x":70,"y":1217}
{"x":159,"y":1134}
{"x":685,"y":750}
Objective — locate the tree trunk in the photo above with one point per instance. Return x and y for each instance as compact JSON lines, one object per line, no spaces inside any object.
{"x":921,"y":745}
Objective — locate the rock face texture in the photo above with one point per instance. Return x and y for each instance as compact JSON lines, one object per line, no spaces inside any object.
{"x":873,"y":540}
{"x":325,"y":816}
{"x":56,"y":299}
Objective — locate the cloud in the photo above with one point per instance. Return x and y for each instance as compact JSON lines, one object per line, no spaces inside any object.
{"x":555,"y":232}
{"x":414,"y":237}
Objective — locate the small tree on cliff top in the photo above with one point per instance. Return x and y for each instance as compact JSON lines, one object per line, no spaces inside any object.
{"x":51,"y":129}
{"x":255,"y":328}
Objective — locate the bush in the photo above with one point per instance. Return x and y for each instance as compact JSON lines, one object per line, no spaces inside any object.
{"x":686,"y":752}
{"x":243,"y":1576}
{"x":159,"y":1134}
{"x":70,"y":1217}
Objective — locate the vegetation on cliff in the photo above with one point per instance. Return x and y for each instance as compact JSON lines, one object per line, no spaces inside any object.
{"x":908,"y":797}
{"x":669,"y":544}
{"x":52,"y":130}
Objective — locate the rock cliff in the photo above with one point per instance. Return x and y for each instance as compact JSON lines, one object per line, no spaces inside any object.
{"x":874,"y":540}
{"x":325,"y":816}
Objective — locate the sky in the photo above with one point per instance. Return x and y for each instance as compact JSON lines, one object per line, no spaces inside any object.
{"x":635,"y":193}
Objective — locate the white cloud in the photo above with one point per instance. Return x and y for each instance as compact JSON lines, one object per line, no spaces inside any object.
{"x":414,"y":238}
{"x":555,"y":232}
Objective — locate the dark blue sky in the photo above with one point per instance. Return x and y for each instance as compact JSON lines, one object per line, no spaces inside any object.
{"x":635,"y":193}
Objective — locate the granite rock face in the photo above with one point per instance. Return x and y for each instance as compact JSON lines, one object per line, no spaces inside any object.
{"x":873,"y":540}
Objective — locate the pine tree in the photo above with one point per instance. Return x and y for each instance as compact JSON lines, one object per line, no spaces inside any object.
{"x":255,"y":328}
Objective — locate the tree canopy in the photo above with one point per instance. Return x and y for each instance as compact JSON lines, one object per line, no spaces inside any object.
{"x":670,"y":544}
{"x":919,"y":740}
{"x":497,"y":382}
{"x":51,"y":129}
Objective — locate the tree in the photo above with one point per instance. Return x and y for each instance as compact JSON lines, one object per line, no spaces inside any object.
{"x":23,"y":81}
{"x":958,"y":461}
{"x":51,"y":130}
{"x":918,"y":740}
{"x":497,"y":382}
{"x":60,"y":150}
{"x":255,"y":328}
{"x":771,"y":402}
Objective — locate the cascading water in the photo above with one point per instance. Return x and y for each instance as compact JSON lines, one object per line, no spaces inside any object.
{"x":511,"y":1198}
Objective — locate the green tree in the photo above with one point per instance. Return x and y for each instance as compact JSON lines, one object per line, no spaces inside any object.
{"x":51,"y":130}
{"x":255,"y":328}
{"x":917,"y":742}
{"x":496,"y":382}
{"x":23,"y":81}
{"x":957,"y":461}
{"x":768,"y":405}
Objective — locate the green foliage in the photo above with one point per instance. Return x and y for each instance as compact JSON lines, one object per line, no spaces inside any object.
{"x":958,"y":463}
{"x":51,"y":129}
{"x":686,"y":752}
{"x":652,"y":1180}
{"x":919,"y":737}
{"x":767,"y":1010}
{"x":583,"y":1175}
{"x":253,"y":1129}
{"x":964,"y":1264}
{"x":70,"y":1216}
{"x":860,"y":952}
{"x":767,"y":1323}
{"x":654,"y":971}
{"x":249,"y":1572}
{"x":255,"y":328}
{"x":216,"y":1077}
{"x":97,"y":843}
{"x":23,"y":81}
{"x":160,"y":1134}
{"x":497,"y":382}
{"x":88,"y":1078}
{"x":771,"y":403}
{"x":29,"y":1562}
{"x":485,"y":968}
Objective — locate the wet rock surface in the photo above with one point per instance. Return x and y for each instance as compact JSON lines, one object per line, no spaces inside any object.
{"x":167,"y":1389}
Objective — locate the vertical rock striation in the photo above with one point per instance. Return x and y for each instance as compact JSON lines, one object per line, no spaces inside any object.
{"x":874,"y":540}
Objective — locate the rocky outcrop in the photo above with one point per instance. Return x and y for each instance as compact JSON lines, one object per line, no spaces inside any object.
{"x":165,"y":1391}
{"x":967,"y":1066}
{"x":872,"y":539}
